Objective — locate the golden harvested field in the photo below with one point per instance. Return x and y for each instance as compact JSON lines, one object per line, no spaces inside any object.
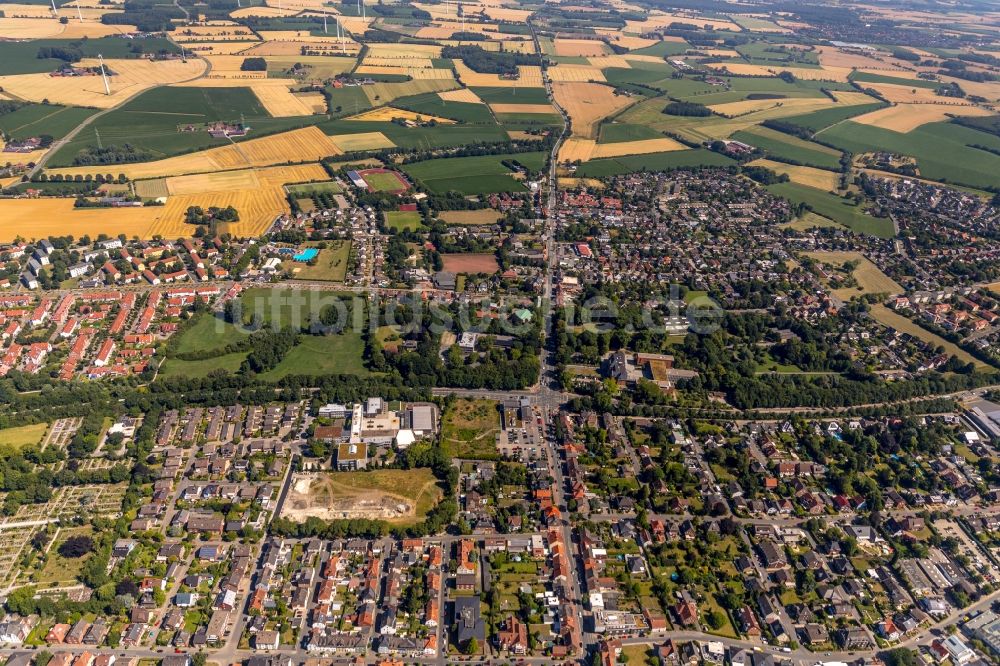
{"x":384,"y":93}
{"x":423,"y":73}
{"x":603,"y":62}
{"x":403,"y":51}
{"x":520,"y":135}
{"x":581,"y":47}
{"x":908,"y":117}
{"x":744,"y":107}
{"x":245,"y":179}
{"x":518,"y":46}
{"x":319,"y":67}
{"x":575,"y":73}
{"x":630,"y":42}
{"x":870,"y":279}
{"x":215,"y":33}
{"x":531,"y":77}
{"x":590,"y":183}
{"x":587,"y":104}
{"x":460,"y":95}
{"x":384,"y":113}
{"x":219,"y":48}
{"x":805,"y":73}
{"x":396,"y":61}
{"x":831,"y":56}
{"x":41,"y":28}
{"x":988,"y":89}
{"x":350,"y":143}
{"x":131,"y":77}
{"x":313,"y":100}
{"x":852,"y":98}
{"x":281,"y":103}
{"x":576,"y":148}
{"x":53,"y":217}
{"x":262,"y":11}
{"x":657,"y":20}
{"x":293,"y":48}
{"x":906,"y":94}
{"x":821,"y":179}
{"x":507,"y":14}
{"x":522,"y":108}
{"x":308,"y":144}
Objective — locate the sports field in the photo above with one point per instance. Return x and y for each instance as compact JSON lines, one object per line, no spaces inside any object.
{"x":402,"y":220}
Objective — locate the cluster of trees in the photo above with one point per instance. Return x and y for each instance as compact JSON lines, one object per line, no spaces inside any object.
{"x":687,"y":109}
{"x":198,"y":215}
{"x":71,"y":53}
{"x":268,"y":349}
{"x":112,"y":154}
{"x":764,"y":176}
{"x":489,"y":62}
{"x":254,"y":65}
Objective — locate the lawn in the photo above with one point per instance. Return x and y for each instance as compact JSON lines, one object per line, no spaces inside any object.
{"x":331,"y":264}
{"x":209,"y":331}
{"x":59,"y":569}
{"x":339,"y":354}
{"x":483,"y":174}
{"x":402,"y":220}
{"x":469,"y":429}
{"x":834,"y":207}
{"x":652,"y":162}
{"x":175,"y":367}
{"x":20,"y":437}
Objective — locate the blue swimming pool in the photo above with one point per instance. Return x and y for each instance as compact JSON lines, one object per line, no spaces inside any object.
{"x":306,"y":255}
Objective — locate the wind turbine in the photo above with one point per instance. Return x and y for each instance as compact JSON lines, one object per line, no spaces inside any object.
{"x":54,"y":10}
{"x":325,"y":31}
{"x":104,"y":75}
{"x":79,"y":12}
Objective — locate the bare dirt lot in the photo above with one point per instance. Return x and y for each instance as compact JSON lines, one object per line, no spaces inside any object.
{"x":391,"y":495}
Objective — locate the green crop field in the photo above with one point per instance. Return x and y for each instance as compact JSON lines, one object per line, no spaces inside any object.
{"x":22,"y":58}
{"x":512,"y":95}
{"x":658,"y":79}
{"x":941,"y":149}
{"x":432,"y":105}
{"x":818,"y":120}
{"x":526,"y":121}
{"x":784,"y":146}
{"x":471,"y":175}
{"x":150,"y":122}
{"x":621,"y":132}
{"x":652,"y":162}
{"x":37,"y":119}
{"x":402,"y":220}
{"x":441,"y":136}
{"x":307,"y":189}
{"x":347,"y":101}
{"x":663,"y":49}
{"x":834,"y":207}
{"x":868,"y":77}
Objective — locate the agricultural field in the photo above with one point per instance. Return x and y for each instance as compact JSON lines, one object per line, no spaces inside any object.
{"x":788,"y":147}
{"x":308,"y":144}
{"x":469,"y":175}
{"x":587,"y":104}
{"x":835,"y":208}
{"x":469,"y":428}
{"x":470,"y":217}
{"x":820,"y":179}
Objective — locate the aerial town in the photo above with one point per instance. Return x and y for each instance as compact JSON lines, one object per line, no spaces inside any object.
{"x":499,"y":332}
